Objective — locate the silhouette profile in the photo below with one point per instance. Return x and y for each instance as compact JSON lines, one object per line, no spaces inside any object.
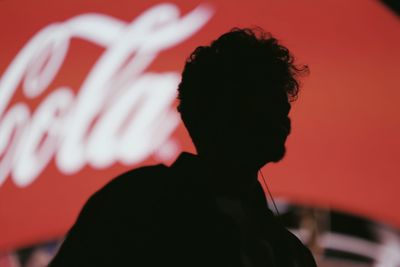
{"x":206,"y":209}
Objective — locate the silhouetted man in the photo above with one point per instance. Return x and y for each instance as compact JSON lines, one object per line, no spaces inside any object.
{"x":206,"y":209}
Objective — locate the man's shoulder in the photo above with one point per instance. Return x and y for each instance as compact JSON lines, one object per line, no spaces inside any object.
{"x":136,"y":184}
{"x":127,"y":197}
{"x":139,"y":177}
{"x":154,"y":179}
{"x":116,"y":217}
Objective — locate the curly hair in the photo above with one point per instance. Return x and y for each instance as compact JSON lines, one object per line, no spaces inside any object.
{"x":242,"y":61}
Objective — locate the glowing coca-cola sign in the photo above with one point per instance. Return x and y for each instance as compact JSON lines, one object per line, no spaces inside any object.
{"x":62,"y":126}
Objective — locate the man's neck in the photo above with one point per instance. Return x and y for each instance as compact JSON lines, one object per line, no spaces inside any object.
{"x":227,"y":178}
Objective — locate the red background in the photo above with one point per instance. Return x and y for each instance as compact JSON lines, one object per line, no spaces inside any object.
{"x":343,"y":150}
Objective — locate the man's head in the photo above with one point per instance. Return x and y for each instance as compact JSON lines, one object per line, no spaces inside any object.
{"x":235,"y":98}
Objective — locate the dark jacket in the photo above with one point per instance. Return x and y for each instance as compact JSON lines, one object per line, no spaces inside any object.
{"x":165,"y":216}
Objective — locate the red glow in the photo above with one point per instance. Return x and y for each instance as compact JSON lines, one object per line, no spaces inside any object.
{"x":343,"y":150}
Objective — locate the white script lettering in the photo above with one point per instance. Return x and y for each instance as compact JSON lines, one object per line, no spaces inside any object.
{"x":122,"y":111}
